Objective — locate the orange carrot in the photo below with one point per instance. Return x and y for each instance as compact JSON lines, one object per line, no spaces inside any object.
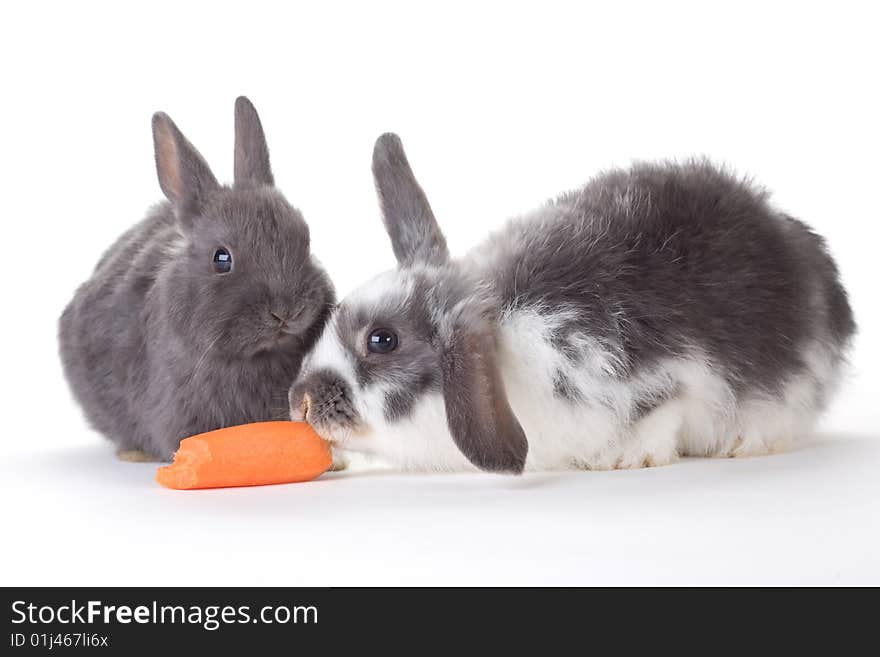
{"x":248,"y":455}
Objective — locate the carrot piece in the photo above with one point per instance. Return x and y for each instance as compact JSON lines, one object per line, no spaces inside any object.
{"x":248,"y":455}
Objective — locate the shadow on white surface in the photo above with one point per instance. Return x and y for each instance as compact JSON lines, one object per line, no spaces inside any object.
{"x":809,"y":516}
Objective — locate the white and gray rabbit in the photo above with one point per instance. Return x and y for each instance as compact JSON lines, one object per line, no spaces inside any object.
{"x":659,"y":311}
{"x":198,"y":317}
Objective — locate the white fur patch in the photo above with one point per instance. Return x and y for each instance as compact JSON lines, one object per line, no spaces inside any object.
{"x":380,"y":291}
{"x":596,"y":425}
{"x":702,"y":418}
{"x":420,"y":441}
{"x":329,"y":353}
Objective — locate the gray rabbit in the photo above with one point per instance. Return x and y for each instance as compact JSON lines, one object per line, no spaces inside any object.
{"x":659,"y":311}
{"x":198,"y":317}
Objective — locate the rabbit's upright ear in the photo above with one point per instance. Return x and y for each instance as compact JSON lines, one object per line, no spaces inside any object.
{"x":251,"y":152}
{"x":184,"y":176}
{"x":415,"y":235}
{"x":479,"y":416}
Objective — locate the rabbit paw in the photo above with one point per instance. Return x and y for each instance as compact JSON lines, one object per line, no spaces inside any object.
{"x":744,"y":447}
{"x":654,"y":439}
{"x":340,"y":461}
{"x":135,"y":456}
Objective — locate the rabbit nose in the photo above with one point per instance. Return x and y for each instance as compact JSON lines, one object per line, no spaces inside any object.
{"x":283,"y":320}
{"x":322,"y":398}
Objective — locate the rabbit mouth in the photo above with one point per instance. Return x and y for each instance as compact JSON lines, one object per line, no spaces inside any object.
{"x":329,"y":431}
{"x":283,"y":337}
{"x":278,"y":341}
{"x":326,"y":418}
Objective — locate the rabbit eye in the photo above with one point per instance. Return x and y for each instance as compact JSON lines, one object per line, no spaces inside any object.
{"x":381,"y":341}
{"x":222,"y":261}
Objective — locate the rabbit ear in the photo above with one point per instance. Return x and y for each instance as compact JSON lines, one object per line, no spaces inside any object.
{"x":479,"y":416}
{"x":184,"y":176}
{"x":251,"y":152}
{"x":415,"y":235}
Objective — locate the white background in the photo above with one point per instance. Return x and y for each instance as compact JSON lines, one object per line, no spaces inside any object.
{"x":499,"y":106}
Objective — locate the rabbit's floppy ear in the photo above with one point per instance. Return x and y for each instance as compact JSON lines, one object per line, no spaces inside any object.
{"x":479,"y":416}
{"x":184,"y":176}
{"x":415,"y":235}
{"x":251,"y":152}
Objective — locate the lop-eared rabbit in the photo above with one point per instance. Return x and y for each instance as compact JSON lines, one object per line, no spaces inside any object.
{"x":664,"y":310}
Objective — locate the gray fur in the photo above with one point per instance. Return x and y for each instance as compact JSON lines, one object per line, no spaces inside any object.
{"x":666,"y":256}
{"x":184,"y":176}
{"x":646,"y":404}
{"x":415,"y":235}
{"x":649,"y":264}
{"x":156,"y":345}
{"x":565,"y":388}
{"x":251,"y":152}
{"x":479,"y":416}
